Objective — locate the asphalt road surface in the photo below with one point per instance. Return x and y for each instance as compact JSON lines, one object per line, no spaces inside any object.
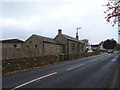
{"x":91,"y":72}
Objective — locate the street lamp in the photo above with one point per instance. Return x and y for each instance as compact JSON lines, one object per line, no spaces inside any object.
{"x":77,"y":37}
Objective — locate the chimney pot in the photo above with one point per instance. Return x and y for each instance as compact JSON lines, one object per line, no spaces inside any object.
{"x":59,"y":31}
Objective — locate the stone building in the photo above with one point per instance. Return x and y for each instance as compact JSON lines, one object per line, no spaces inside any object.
{"x":37,"y":45}
{"x":46,"y":46}
{"x":95,"y":47}
{"x":98,"y":46}
{"x":12,"y":43}
{"x":71,"y":45}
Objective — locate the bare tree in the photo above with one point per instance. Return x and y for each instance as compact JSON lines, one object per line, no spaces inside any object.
{"x":113,"y":11}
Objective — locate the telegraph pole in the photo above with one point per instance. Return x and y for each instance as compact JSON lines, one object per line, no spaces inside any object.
{"x":119,"y":29}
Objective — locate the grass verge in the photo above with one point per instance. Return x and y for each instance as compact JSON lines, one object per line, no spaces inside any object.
{"x":11,"y":66}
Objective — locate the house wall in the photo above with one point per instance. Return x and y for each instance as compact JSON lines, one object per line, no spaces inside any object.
{"x":63,"y":40}
{"x":81,"y":48}
{"x":52,"y":49}
{"x":11,"y":45}
{"x":68,"y":45}
{"x":46,"y":48}
{"x":72,"y":47}
{"x":96,"y":48}
{"x":34,"y":43}
{"x":13,"y":53}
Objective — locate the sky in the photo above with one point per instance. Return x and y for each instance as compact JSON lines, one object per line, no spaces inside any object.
{"x":22,"y":18}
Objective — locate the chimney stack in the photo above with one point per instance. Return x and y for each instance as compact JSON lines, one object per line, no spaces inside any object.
{"x":59,"y":31}
{"x":77,"y":37}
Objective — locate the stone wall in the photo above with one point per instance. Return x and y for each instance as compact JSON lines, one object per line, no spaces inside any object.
{"x":48,"y":49}
{"x":61,"y":39}
{"x":75,"y":47}
{"x":72,"y":47}
{"x":13,"y":53}
{"x":52,"y":49}
{"x":11,"y":45}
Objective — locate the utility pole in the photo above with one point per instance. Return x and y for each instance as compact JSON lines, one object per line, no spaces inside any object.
{"x":119,"y":29}
{"x":119,"y":25}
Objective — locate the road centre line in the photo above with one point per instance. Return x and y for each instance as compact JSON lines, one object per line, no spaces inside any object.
{"x":114,"y":59}
{"x":75,"y":67}
{"x":92,"y":60}
{"x":34,"y":80}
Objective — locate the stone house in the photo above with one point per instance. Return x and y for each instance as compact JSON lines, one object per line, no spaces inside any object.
{"x":98,"y":46}
{"x":46,"y":46}
{"x":101,"y":45}
{"x":71,"y":45}
{"x":95,"y":47}
{"x":12,"y":43}
{"x":37,"y":45}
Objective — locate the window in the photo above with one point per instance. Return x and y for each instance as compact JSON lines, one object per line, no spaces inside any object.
{"x":36,"y":45}
{"x":73,"y":46}
{"x":15,"y":45}
{"x":82,"y":48}
{"x":58,"y":48}
{"x":27,"y":46}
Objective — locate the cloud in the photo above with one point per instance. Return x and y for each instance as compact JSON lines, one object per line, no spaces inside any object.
{"x":20,"y":23}
{"x":45,"y":17}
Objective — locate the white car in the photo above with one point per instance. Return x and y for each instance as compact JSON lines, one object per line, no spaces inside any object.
{"x":90,"y":51}
{"x":110,"y":51}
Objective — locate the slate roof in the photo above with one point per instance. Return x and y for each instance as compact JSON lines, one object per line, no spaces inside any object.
{"x":97,"y":45}
{"x":46,"y":39}
{"x":12,"y":41}
{"x":72,"y":38}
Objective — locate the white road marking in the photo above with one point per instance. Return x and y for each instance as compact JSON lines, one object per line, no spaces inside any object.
{"x":114,"y":59}
{"x":34,"y":80}
{"x":75,"y":67}
{"x":92,"y":60}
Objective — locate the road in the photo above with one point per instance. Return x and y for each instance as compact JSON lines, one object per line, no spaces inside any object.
{"x":91,"y":72}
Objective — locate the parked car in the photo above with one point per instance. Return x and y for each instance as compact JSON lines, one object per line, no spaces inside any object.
{"x":110,"y":51}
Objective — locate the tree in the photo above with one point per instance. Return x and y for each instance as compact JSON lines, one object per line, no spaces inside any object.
{"x":113,"y":11}
{"x":109,"y":44}
{"x":118,"y":46}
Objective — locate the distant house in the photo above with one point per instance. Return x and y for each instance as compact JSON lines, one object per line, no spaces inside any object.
{"x":98,"y":46}
{"x":85,"y":41}
{"x":95,"y":47}
{"x":71,"y":45}
{"x":46,"y":46}
{"x":12,"y":43}
{"x":101,"y":45}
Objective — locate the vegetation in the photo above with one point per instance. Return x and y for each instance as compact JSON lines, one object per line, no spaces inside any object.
{"x":117,"y":46}
{"x":109,"y":44}
{"x":113,"y":11}
{"x":22,"y":64}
